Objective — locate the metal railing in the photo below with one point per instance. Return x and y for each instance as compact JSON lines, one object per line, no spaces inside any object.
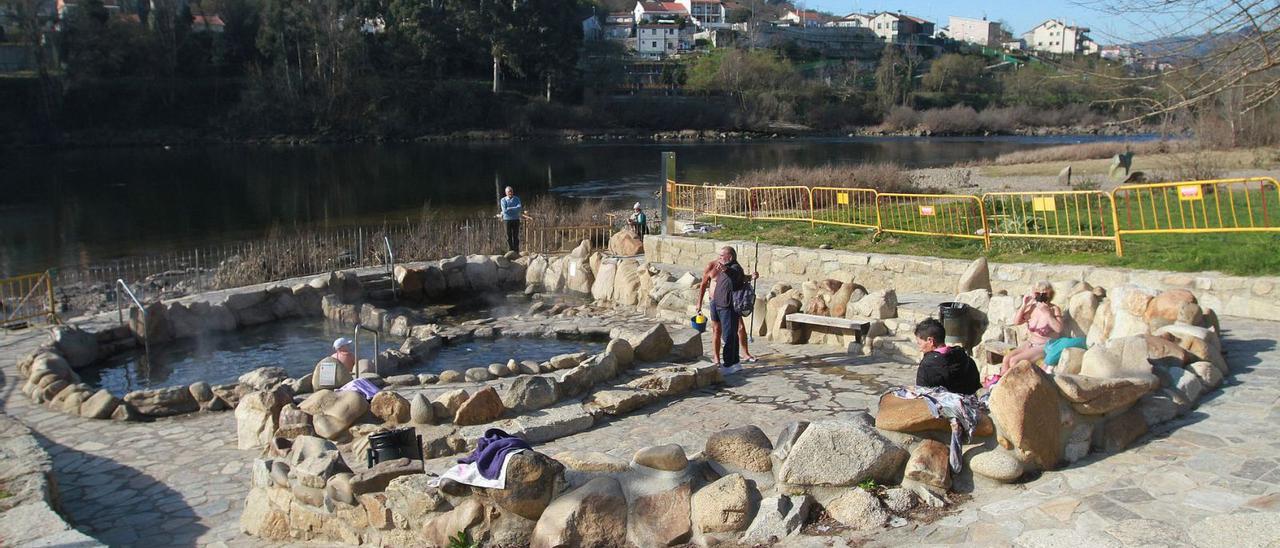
{"x":27,"y":297}
{"x":145,"y":335}
{"x":1064,"y":214}
{"x":951,"y":215}
{"x":854,"y":207}
{"x":391,"y":266}
{"x":1196,"y":207}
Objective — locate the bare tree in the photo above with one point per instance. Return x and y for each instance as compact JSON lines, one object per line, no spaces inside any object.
{"x":1219,"y":51}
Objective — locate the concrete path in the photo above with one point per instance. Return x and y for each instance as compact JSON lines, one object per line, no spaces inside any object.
{"x":1211,"y":478}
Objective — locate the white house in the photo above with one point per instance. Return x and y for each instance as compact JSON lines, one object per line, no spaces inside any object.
{"x":976,"y":31}
{"x":662,"y":39}
{"x":1055,"y":36}
{"x":706,"y":13}
{"x":804,"y":18}
{"x":899,"y":27}
{"x":652,"y":11}
{"x":852,"y":20}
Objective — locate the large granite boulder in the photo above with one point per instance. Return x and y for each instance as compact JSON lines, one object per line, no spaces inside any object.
{"x":390,"y":407}
{"x":651,"y":345}
{"x":482,"y":407}
{"x":912,"y":415}
{"x":1095,"y":396}
{"x":746,"y":448}
{"x":624,"y":243}
{"x":1024,"y":406}
{"x":840,"y":453}
{"x":591,"y":516}
{"x":163,"y":402}
{"x":257,"y":417}
{"x":528,"y":393}
{"x":858,"y":509}
{"x":724,"y":506}
{"x":78,"y":346}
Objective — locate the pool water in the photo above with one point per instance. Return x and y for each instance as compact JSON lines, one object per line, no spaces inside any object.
{"x":296,"y":346}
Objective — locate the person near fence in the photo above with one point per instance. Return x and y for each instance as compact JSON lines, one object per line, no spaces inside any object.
{"x":638,"y":222}
{"x":725,"y":320}
{"x":944,"y":366}
{"x":1044,"y":323}
{"x":511,"y":211}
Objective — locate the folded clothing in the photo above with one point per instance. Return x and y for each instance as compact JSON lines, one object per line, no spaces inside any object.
{"x":1053,"y":349}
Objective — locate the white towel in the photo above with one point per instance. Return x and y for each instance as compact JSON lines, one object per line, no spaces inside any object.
{"x":470,"y":474}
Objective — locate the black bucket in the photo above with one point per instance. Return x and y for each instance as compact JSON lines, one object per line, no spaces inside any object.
{"x":955,"y":320}
{"x":394,"y":444}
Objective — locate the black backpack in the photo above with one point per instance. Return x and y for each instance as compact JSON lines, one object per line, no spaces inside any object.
{"x":743,"y":300}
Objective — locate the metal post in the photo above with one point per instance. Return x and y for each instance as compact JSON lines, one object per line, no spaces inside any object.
{"x":668,"y":174}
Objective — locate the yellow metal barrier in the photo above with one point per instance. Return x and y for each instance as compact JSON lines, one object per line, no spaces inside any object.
{"x":954,"y":215}
{"x":682,"y":197}
{"x":727,"y":201}
{"x":27,"y":297}
{"x":845,"y":207}
{"x":1191,"y":207}
{"x":781,"y":203}
{"x":1066,"y":215}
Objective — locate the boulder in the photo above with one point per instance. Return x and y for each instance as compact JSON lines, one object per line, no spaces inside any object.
{"x":1186,"y":382}
{"x":420,"y":410}
{"x":778,"y":517}
{"x":724,"y":506}
{"x":1119,"y":358}
{"x":661,"y":518}
{"x":264,"y":378}
{"x":334,"y":420}
{"x":410,"y":280}
{"x":1209,"y":375}
{"x":201,"y":391}
{"x":624,"y":243}
{"x":577,"y":275}
{"x":257,"y":417}
{"x":447,"y":404}
{"x":877,"y":305}
{"x":79,"y":347}
{"x":479,"y":374}
{"x":318,"y":401}
{"x":1024,"y":407}
{"x":686,"y":344}
{"x":622,"y":351}
{"x":778,"y":309}
{"x":439,"y":529}
{"x":602,"y":287}
{"x":746,"y":447}
{"x":347,"y":287}
{"x":976,"y":276}
{"x":592,"y":461}
{"x":376,"y":479}
{"x":929,"y":465}
{"x":912,"y":415}
{"x":840,"y":453}
{"x":1080,"y":311}
{"x":1070,"y":362}
{"x":163,"y":402}
{"x":528,"y":393}
{"x":451,"y":375}
{"x":1128,"y":310}
{"x":1097,"y":396}
{"x":858,"y":509}
{"x":618,"y":402}
{"x":591,"y":516}
{"x":627,"y":285}
{"x":670,"y":458}
{"x":994,"y":462}
{"x":652,"y":345}
{"x":1171,"y":305}
{"x":1120,"y":431}
{"x":390,"y":407}
{"x":1162,"y":405}
{"x":482,"y":407}
{"x":293,"y":422}
{"x":100,"y":405}
{"x":533,"y":480}
{"x":668,"y":381}
{"x":263,"y":520}
{"x":481,"y":273}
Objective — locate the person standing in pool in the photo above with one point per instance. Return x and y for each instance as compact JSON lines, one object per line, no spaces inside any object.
{"x":335,"y":369}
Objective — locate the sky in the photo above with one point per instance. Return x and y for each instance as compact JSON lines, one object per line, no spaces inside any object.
{"x":1022,"y":15}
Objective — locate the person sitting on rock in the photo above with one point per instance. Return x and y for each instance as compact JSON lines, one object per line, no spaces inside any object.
{"x":1044,"y":322}
{"x":944,"y":366}
{"x":638,"y":222}
{"x":336,"y":369}
{"x":342,"y":352}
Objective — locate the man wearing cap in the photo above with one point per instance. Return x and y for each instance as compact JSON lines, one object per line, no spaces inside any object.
{"x":335,"y":370}
{"x":638,"y":222}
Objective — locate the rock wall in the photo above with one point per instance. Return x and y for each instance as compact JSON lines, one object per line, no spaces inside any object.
{"x":1247,"y":297}
{"x":28,"y":511}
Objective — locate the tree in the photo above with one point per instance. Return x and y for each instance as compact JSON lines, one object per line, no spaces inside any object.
{"x":895,"y":75}
{"x":956,"y":74}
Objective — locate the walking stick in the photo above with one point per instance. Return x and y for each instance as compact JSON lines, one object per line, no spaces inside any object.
{"x":751,"y":333}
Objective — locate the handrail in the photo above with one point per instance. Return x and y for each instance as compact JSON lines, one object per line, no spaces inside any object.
{"x":391,"y":266}
{"x":142,"y":312}
{"x":355,"y":338}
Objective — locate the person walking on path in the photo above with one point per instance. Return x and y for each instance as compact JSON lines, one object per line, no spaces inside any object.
{"x":511,"y":212}
{"x":729,"y":277}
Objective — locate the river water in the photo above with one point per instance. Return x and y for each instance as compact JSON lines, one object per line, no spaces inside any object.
{"x":80,"y":207}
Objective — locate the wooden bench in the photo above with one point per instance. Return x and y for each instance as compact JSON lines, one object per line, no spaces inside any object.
{"x":996,"y":350}
{"x":859,"y":326}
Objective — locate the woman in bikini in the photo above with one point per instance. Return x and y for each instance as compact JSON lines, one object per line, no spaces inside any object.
{"x":1044,"y":321}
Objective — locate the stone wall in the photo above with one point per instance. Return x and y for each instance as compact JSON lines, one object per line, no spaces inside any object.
{"x":1246,"y":297}
{"x":28,"y":506}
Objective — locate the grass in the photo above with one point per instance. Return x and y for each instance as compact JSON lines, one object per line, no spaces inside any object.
{"x":1176,"y":165}
{"x":5,"y":494}
{"x":1251,"y":254}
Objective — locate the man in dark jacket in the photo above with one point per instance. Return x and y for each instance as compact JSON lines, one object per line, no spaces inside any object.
{"x":945,"y":366}
{"x":729,"y":277}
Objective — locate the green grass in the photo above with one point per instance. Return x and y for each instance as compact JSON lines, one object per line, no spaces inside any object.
{"x":5,"y":494}
{"x":1251,"y":254}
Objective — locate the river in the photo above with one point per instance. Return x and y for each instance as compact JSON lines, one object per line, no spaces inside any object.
{"x":84,"y":206}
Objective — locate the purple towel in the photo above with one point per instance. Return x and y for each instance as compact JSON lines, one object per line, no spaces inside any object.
{"x":362,"y":386}
{"x":491,"y":451}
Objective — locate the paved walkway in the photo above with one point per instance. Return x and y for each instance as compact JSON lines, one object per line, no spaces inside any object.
{"x":1209,"y":479}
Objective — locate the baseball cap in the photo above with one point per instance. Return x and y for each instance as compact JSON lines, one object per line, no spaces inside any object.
{"x":341,"y":342}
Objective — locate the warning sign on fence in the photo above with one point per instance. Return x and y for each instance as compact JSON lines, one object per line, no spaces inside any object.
{"x":721,"y":195}
{"x":1190,"y":192}
{"x":1045,"y":203}
{"x":842,"y":198}
{"x":927,"y":211}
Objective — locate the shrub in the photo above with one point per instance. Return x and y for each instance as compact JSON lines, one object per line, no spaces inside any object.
{"x":954,"y":120}
{"x":901,"y":118}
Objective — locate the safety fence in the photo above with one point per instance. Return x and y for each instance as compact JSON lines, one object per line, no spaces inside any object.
{"x":1186,"y":207}
{"x":27,"y":298}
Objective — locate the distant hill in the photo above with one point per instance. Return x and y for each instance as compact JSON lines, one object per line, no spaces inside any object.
{"x":1180,"y":48}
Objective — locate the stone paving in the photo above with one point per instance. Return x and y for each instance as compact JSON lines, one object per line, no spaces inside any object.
{"x":1208,"y":479}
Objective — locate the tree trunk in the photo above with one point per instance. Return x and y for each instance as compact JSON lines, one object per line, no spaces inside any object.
{"x":548,"y":87}
{"x":497,"y":75}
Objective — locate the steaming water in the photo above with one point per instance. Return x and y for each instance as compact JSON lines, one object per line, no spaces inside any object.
{"x":296,"y":346}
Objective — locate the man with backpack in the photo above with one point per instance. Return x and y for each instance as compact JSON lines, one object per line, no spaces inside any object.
{"x":728,"y":300}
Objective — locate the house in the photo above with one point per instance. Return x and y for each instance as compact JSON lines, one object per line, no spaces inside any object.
{"x":214,"y":24}
{"x":1055,"y":36}
{"x":706,"y":13}
{"x":804,"y":18}
{"x":592,"y":29}
{"x":647,"y":11}
{"x":976,"y":31}
{"x":853,"y":20}
{"x":618,"y":25}
{"x":900,"y":27}
{"x":657,"y":40}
